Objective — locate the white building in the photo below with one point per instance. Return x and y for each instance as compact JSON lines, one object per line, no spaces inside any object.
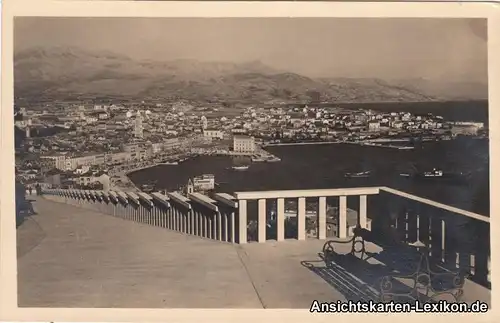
{"x":478,"y":125}
{"x":204,"y":182}
{"x":243,"y":144}
{"x":156,"y":147}
{"x":213,"y":133}
{"x":466,"y":130}
{"x":204,"y":122}
{"x":373,"y":126}
{"x":55,"y":161}
{"x":138,"y":128}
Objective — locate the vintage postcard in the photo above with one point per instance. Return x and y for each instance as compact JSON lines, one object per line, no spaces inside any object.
{"x":316,"y":157}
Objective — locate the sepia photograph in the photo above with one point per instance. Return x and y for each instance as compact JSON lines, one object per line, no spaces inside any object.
{"x":277,"y":163}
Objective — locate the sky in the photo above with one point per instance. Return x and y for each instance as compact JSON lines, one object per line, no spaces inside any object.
{"x":452,"y":49}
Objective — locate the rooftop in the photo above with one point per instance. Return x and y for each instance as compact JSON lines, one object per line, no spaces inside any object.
{"x":242,"y":137}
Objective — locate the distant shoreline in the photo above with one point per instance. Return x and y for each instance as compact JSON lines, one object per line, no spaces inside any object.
{"x":96,"y":100}
{"x":391,"y":102}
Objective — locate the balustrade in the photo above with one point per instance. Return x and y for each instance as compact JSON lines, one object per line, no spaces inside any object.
{"x":454,"y":237}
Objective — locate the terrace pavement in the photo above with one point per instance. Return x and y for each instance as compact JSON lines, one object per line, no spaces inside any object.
{"x":74,"y":257}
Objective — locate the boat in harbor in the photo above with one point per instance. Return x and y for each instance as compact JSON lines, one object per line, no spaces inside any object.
{"x":170,"y":163}
{"x":241,"y":163}
{"x":433,"y":173}
{"x":240,"y":168}
{"x":273,"y":160}
{"x":257,"y":159}
{"x":358,"y":175}
{"x":437,"y":174}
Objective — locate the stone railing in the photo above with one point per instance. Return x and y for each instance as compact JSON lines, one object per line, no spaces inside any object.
{"x":195,"y":214}
{"x":455,"y":236}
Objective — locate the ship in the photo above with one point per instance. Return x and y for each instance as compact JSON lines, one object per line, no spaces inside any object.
{"x":456,"y":178}
{"x":241,"y":163}
{"x":170,"y":163}
{"x":242,"y":167}
{"x":358,"y":175}
{"x":433,"y":173}
{"x":257,"y":159}
{"x":273,"y":160}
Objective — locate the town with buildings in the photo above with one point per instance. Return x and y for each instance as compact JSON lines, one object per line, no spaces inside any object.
{"x":97,"y":144}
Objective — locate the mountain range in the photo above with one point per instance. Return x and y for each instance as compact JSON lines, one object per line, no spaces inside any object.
{"x":68,"y":71}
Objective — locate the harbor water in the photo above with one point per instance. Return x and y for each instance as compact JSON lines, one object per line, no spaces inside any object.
{"x":325,"y":166}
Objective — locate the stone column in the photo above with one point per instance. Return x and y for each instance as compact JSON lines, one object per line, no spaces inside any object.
{"x":190,"y":222}
{"x":205,"y":224}
{"x":184,"y":221}
{"x":261,"y":235}
{"x":443,"y":239}
{"x":218,"y":227}
{"x":175,"y":212}
{"x":280,"y":220}
{"x":301,"y":219}
{"x":201,"y":224}
{"x":242,"y":217}
{"x":152,"y":215}
{"x":210,"y":220}
{"x":362,"y":216}
{"x":172,"y":218}
{"x":342,"y":222}
{"x":225,"y":226}
{"x":232,"y":227}
{"x":121,"y":210}
{"x":169,"y":216}
{"x":182,"y":215}
{"x":124,"y":211}
{"x":177,"y":220}
{"x":167,"y":213}
{"x":488,"y":267}
{"x":196,"y":223}
{"x":321,"y":234}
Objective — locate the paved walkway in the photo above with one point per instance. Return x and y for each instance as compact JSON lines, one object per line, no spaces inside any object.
{"x":72,"y":257}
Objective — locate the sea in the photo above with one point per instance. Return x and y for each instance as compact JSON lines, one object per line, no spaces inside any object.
{"x":324,"y":165}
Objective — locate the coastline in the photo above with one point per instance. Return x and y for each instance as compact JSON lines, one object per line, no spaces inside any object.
{"x":127,"y":183}
{"x":301,"y":143}
{"x":323,"y":166}
{"x":262,"y":150}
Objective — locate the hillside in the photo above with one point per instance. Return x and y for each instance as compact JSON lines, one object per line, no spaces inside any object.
{"x":62,"y":72}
